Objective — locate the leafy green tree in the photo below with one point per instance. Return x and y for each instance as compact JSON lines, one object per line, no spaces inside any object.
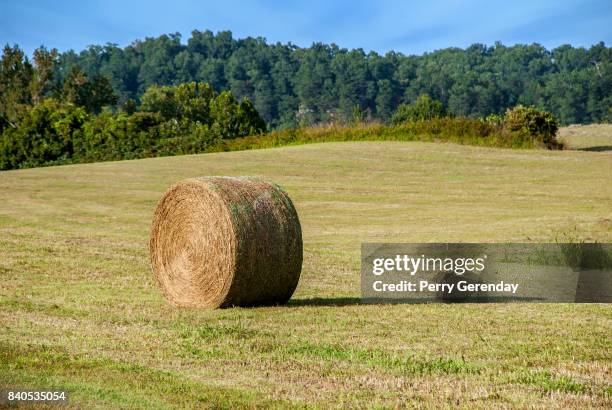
{"x":351,"y":74}
{"x":224,"y":45}
{"x":121,"y":68}
{"x":314,"y":82}
{"x":186,"y":66}
{"x":232,"y":119}
{"x":283,"y":69}
{"x":16,"y":74}
{"x":202,"y":43}
{"x":158,"y":65}
{"x":190,"y":101}
{"x":212,"y":71}
{"x":46,"y":134}
{"x":92,"y":94}
{"x":385,"y":99}
{"x":42,"y":83}
{"x":237,"y":73}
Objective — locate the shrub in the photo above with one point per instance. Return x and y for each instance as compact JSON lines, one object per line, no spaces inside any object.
{"x":424,"y":108}
{"x":530,"y":124}
{"x":459,"y":130}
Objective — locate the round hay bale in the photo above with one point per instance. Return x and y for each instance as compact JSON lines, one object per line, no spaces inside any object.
{"x":226,"y":241}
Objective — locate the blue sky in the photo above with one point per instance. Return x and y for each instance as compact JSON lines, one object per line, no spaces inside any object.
{"x":411,"y":27}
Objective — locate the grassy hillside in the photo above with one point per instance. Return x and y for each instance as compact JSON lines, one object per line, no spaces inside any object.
{"x":79,"y":308}
{"x":593,"y":137}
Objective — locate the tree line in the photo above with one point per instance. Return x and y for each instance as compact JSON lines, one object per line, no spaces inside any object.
{"x":292,"y":86}
{"x":46,"y":123}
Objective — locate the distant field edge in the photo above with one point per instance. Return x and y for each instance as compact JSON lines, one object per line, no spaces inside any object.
{"x":593,"y":138}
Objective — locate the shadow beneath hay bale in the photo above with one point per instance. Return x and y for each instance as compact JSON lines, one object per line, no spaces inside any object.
{"x":601,"y":148}
{"x":349,"y":301}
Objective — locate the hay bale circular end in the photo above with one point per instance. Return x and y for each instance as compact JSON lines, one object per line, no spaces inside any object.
{"x":226,"y":241}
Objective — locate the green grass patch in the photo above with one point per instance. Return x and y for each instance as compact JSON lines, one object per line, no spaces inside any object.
{"x":104,"y":383}
{"x":381,"y":358}
{"x":548,"y":382}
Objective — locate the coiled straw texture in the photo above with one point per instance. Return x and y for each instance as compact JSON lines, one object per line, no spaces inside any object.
{"x":226,"y":241}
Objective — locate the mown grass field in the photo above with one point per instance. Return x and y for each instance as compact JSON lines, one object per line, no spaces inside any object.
{"x":79,"y":307}
{"x":593,"y":137}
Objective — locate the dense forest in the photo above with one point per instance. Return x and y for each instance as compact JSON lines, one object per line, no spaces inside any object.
{"x":291,"y":86}
{"x":161,"y":97}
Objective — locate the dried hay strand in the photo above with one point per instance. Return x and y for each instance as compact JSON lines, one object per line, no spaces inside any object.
{"x":226,"y":241}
